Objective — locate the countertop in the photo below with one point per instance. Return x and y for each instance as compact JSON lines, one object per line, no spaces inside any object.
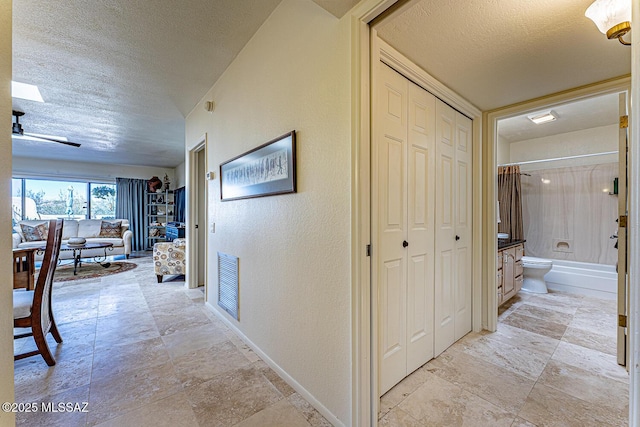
{"x":507,"y":243}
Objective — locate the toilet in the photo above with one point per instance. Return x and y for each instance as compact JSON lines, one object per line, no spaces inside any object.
{"x":534,"y":270}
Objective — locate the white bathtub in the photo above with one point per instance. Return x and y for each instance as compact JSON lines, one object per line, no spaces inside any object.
{"x":597,"y":280}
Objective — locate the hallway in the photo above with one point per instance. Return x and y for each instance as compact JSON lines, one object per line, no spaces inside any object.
{"x":148,"y":354}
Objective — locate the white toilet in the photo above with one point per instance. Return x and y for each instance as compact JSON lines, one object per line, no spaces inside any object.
{"x":534,"y":270}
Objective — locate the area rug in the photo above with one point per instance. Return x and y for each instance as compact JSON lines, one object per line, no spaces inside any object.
{"x":91,"y":270}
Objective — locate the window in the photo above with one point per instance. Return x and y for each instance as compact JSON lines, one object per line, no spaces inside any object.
{"x":46,"y":199}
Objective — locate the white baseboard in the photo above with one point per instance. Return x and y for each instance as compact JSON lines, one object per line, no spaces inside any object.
{"x":281,"y":372}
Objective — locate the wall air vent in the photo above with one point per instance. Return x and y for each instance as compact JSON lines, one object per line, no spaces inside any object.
{"x":228,"y":285}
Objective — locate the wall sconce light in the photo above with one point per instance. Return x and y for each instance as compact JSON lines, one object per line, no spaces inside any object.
{"x":612,"y":17}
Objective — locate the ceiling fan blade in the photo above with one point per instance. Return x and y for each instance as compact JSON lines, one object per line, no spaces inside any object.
{"x":73,"y":144}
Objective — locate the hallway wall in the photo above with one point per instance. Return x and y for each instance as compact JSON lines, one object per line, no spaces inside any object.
{"x":294,"y":249}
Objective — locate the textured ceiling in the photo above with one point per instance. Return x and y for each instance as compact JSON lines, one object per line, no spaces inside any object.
{"x":119,"y":76}
{"x":499,"y":52}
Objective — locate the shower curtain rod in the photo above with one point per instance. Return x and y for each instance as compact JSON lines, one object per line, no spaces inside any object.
{"x":560,"y":158}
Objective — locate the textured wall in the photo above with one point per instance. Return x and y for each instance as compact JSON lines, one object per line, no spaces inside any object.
{"x":568,"y":213}
{"x":294,"y":249}
{"x":6,"y":310}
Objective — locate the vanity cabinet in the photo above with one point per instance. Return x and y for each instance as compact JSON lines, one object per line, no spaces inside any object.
{"x":509,"y":276}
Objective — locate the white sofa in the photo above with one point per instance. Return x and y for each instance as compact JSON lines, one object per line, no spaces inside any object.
{"x":87,"y":228}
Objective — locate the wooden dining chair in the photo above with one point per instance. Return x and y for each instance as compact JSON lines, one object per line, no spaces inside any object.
{"x":32,"y":309}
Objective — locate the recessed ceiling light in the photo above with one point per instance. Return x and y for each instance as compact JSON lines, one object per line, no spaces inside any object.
{"x":25,"y":91}
{"x":545,"y":117}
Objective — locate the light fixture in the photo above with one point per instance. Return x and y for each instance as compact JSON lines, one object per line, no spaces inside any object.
{"x":25,"y":91}
{"x":612,"y":17}
{"x":546,"y":117}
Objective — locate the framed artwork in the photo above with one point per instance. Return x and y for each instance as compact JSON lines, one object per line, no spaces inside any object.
{"x":264,"y":171}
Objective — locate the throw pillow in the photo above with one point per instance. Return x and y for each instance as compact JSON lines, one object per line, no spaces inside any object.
{"x":35,"y":233}
{"x":111,"y":229}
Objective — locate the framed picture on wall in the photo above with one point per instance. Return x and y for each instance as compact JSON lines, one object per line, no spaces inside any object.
{"x":264,"y":171}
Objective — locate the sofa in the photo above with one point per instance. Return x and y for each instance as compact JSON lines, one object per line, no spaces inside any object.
{"x":169,"y":258}
{"x":33,"y":234}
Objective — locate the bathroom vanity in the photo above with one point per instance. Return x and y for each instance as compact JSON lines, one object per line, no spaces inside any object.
{"x":509,"y":266}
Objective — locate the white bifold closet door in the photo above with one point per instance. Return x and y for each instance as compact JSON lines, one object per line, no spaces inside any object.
{"x":405,"y":156}
{"x":453,"y":227}
{"x":407,"y":189}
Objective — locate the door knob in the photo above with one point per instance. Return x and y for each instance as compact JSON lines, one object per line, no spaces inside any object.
{"x":457,"y":238}
{"x":405,"y":244}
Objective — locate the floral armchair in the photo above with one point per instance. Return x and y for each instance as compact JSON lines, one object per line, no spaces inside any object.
{"x":169,"y":258}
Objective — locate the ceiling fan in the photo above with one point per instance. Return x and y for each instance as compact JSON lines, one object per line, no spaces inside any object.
{"x":17,"y":130}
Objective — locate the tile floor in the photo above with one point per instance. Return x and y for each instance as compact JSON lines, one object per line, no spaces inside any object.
{"x":148,"y":354}
{"x":142,"y":353}
{"x":551,"y":363}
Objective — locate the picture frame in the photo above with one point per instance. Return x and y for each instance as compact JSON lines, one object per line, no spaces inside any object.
{"x":266,"y":170}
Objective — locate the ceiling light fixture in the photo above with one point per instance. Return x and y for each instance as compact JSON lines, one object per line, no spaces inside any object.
{"x":25,"y":91}
{"x":546,"y":117}
{"x":612,"y":17}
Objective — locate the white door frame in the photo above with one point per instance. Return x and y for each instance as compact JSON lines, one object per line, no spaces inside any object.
{"x":192,"y":203}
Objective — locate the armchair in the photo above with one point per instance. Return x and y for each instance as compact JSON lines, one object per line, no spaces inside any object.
{"x":169,"y":258}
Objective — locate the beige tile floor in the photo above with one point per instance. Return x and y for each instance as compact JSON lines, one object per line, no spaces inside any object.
{"x":551,"y":363}
{"x":148,"y":354}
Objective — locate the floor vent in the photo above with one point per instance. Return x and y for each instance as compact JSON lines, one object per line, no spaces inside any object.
{"x":228,"y":284}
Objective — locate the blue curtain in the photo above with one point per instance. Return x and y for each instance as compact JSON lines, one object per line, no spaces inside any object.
{"x":130,"y":204}
{"x":179,"y":196}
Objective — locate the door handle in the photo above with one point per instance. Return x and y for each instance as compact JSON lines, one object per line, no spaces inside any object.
{"x":405,"y":243}
{"x":457,"y":237}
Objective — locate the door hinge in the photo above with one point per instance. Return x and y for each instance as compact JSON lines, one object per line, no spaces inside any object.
{"x":624,"y":122}
{"x":622,"y":222}
{"x":368,"y":250}
{"x":622,"y":320}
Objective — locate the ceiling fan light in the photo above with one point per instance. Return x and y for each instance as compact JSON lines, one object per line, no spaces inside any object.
{"x":607,"y":14}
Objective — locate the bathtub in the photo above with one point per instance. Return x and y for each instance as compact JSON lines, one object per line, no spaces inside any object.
{"x":596,"y":280}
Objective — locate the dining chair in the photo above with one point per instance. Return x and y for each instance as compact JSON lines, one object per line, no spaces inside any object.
{"x":32,"y":309}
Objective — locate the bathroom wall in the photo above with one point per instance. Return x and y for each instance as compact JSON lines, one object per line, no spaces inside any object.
{"x":587,"y":141}
{"x":569,"y":214}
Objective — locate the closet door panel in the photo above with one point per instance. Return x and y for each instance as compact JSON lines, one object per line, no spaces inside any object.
{"x":420,"y":233}
{"x":445,"y":274}
{"x":390,"y":157}
{"x":463,"y":227}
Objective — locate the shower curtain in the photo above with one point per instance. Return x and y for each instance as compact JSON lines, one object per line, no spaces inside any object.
{"x":510,"y":198}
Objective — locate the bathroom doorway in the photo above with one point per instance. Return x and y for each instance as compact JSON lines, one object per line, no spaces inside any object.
{"x":572,"y":192}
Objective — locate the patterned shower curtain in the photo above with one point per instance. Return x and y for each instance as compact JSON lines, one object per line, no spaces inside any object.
{"x":130,"y":204}
{"x":510,"y":198}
